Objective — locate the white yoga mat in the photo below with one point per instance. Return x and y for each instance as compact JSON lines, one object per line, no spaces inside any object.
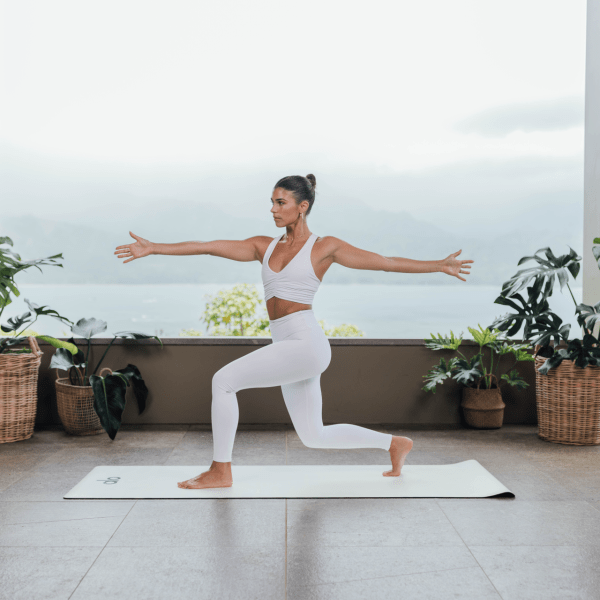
{"x":467,"y":479}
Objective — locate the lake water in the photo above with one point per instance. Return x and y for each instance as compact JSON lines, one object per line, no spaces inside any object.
{"x":381,"y":311}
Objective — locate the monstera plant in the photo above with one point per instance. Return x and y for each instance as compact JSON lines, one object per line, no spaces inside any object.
{"x":109,"y":391}
{"x":540,"y":324}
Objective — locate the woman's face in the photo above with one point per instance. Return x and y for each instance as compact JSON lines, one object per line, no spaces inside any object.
{"x":284,"y":207}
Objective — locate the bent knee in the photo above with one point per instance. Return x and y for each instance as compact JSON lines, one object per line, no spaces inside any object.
{"x":221,"y":382}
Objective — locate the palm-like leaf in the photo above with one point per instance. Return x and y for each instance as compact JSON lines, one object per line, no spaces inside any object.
{"x":468,"y":370}
{"x":438,"y":374}
{"x":484,"y":336}
{"x":514,"y":379}
{"x":442,"y":342}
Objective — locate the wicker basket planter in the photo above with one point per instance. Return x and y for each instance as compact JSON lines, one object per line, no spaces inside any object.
{"x":18,"y":393}
{"x":75,"y":404}
{"x":483,"y":408}
{"x":568,"y":403}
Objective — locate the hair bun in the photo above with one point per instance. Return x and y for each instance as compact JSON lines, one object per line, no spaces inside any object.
{"x":312,"y":179}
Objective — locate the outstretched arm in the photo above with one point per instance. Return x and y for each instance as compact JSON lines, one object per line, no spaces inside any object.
{"x":355,"y":258}
{"x":240,"y":250}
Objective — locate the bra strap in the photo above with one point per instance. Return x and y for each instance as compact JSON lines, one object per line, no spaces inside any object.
{"x":270,"y":249}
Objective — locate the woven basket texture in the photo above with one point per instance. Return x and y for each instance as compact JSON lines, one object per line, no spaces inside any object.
{"x":18,"y":392}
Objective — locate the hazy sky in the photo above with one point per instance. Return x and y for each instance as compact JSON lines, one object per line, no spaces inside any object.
{"x":399,"y":85}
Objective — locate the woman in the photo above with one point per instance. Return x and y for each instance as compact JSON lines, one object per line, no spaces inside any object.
{"x":293,"y":266}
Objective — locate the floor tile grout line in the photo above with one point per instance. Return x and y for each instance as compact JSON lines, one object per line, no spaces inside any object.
{"x":61,"y":520}
{"x":16,"y":481}
{"x":590,"y":503}
{"x":469,"y":549}
{"x":269,"y":545}
{"x":175,"y":446}
{"x":387,"y":576}
{"x":101,"y":551}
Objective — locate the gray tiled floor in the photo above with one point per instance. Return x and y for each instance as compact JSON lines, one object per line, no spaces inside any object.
{"x":545,"y":543}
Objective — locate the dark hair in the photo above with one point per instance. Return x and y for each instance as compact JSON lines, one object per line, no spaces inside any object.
{"x":303,"y":188}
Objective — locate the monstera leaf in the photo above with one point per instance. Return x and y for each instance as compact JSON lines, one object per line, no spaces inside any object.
{"x":15,"y":322}
{"x":530,"y":315}
{"x":588,"y":316}
{"x":546,"y":270}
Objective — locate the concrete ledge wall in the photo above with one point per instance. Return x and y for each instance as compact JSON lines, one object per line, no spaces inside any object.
{"x":369,"y":381}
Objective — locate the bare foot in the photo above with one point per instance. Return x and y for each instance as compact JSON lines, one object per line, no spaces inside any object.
{"x":213,"y":478}
{"x":399,"y":448}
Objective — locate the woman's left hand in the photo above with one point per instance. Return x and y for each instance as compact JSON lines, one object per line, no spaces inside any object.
{"x":451,"y":266}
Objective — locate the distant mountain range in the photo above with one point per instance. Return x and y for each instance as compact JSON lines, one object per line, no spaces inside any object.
{"x":88,"y":244}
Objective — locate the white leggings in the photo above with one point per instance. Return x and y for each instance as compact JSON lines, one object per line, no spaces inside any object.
{"x":300,"y":352}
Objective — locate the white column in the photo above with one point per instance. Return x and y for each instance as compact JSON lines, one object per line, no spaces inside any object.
{"x":591,"y":178}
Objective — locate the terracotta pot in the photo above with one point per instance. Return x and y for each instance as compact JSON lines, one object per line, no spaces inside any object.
{"x":483,"y":408}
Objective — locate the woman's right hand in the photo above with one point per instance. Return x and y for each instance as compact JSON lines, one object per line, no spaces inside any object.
{"x":137,"y":249}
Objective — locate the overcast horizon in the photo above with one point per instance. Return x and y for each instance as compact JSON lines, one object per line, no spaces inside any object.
{"x":459,"y":114}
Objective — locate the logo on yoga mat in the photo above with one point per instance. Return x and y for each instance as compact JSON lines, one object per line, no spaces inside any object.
{"x":110,"y":480}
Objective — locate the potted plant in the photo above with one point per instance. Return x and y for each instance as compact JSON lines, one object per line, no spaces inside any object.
{"x":567,"y":372}
{"x":483,"y":407}
{"x":87,"y":404}
{"x":19,"y":368}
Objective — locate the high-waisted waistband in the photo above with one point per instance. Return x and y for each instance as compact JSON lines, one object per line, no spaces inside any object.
{"x":290,"y":316}
{"x":301,"y":320}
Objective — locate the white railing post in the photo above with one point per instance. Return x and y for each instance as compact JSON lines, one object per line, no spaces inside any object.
{"x":591,"y":177}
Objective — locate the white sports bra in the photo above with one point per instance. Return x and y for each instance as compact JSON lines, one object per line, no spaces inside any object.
{"x":297,"y":281}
